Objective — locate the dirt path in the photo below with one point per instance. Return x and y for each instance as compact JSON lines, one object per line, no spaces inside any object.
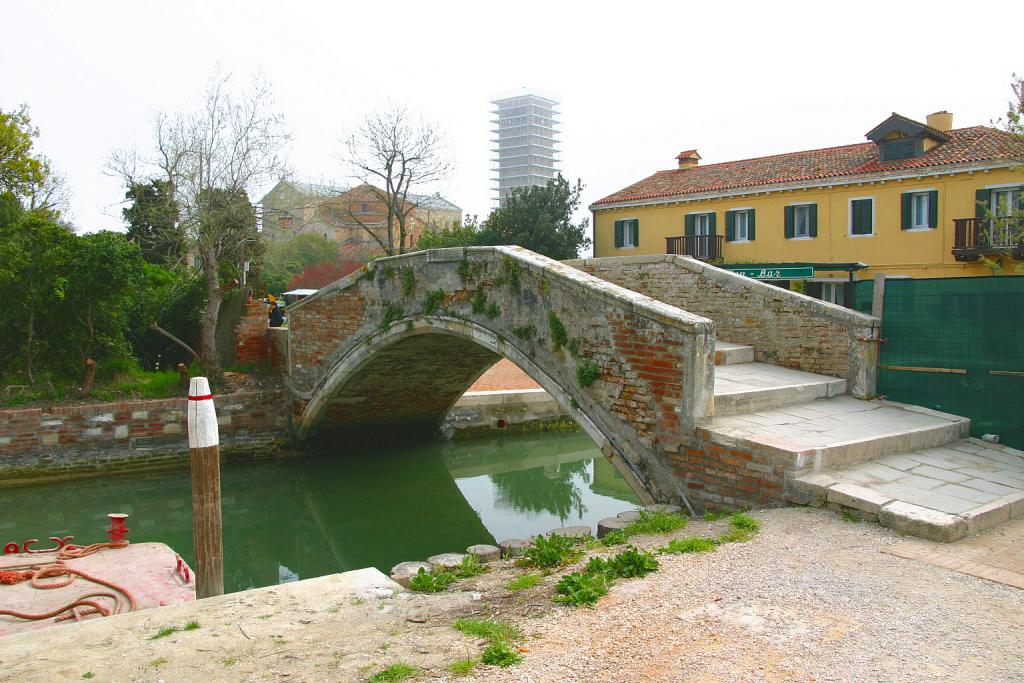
{"x":811,"y":598}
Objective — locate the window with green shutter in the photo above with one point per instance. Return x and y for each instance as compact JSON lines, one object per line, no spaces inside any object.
{"x":862,"y":216}
{"x":919,"y":210}
{"x":739,"y":225}
{"x":802,"y":221}
{"x":627,"y":233}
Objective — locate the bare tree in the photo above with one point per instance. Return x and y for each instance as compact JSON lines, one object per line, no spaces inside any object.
{"x":211,"y":158}
{"x":392,"y":154}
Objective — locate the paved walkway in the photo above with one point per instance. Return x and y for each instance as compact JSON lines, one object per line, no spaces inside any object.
{"x":504,"y":375}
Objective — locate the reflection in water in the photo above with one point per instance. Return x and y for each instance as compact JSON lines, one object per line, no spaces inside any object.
{"x":343,"y":510}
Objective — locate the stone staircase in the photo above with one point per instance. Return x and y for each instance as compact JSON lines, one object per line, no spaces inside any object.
{"x":910,"y":468}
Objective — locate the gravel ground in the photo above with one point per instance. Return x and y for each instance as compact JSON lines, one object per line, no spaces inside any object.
{"x":811,"y":598}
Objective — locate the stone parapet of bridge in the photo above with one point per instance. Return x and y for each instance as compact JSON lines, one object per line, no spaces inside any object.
{"x":390,"y":348}
{"x":785,"y":328}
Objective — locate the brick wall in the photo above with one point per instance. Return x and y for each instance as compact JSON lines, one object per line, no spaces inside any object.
{"x":37,"y":443}
{"x":785,"y":328}
{"x":251,"y":335}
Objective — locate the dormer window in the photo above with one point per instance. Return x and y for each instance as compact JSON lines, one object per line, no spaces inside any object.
{"x":901,"y":138}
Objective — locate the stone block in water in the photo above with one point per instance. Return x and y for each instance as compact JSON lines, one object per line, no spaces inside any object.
{"x":402,"y":573}
{"x":447,"y":560}
{"x":485,"y":553}
{"x":513,"y":547}
{"x":610,"y":524}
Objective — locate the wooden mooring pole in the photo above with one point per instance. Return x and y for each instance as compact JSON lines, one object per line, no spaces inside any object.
{"x":204,"y":456}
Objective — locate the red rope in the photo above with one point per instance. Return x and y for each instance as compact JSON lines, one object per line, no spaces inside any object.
{"x":58,"y":569}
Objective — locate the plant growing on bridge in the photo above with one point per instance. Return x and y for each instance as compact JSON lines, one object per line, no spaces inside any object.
{"x":492,"y":311}
{"x":408,"y":281}
{"x":524,"y":332}
{"x":391,"y":314}
{"x":385,"y":274}
{"x":479,"y":301}
{"x":433,"y":302}
{"x":559,"y":337}
{"x":587,"y":371}
{"x":468,"y":270}
{"x":510,"y":270}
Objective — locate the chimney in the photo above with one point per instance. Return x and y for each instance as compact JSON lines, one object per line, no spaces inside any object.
{"x":940,"y":120}
{"x":688,"y":159}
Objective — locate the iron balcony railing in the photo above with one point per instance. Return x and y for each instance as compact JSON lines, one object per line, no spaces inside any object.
{"x":702,"y":247}
{"x":974,"y":237}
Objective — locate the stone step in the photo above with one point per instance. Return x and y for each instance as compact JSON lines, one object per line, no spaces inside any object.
{"x":733,"y":354}
{"x":834,"y":432}
{"x":751,"y":387}
{"x":942,"y":493}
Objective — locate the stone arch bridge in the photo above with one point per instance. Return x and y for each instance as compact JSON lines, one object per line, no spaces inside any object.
{"x":392,"y":347}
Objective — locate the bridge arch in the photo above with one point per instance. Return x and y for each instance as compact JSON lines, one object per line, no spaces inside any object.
{"x":395,"y":345}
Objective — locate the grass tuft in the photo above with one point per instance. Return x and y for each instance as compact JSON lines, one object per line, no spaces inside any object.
{"x":489,"y":629}
{"x":523,"y":582}
{"x":463,"y":667}
{"x":656,"y":523}
{"x":744,"y":522}
{"x":500,"y":653}
{"x":552,"y":551}
{"x":693,"y":544}
{"x":395,"y":672}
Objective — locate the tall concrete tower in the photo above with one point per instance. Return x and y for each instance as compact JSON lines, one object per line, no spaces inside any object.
{"x":526,"y":145}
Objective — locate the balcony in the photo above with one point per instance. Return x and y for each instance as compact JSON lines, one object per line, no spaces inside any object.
{"x":701,"y":247}
{"x":977,"y":237}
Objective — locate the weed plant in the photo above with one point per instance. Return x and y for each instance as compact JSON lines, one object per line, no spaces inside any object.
{"x":500,"y":653}
{"x":524,"y":581}
{"x":552,"y":551}
{"x":463,"y":667}
{"x":655,"y":523}
{"x":433,"y":581}
{"x":693,"y":544}
{"x":469,"y":568}
{"x":581,"y":588}
{"x":489,"y":629}
{"x":617,"y":537}
{"x":395,"y":672}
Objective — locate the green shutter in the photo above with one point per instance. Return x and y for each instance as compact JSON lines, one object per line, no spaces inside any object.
{"x":689,"y":225}
{"x":730,"y":226}
{"x":636,"y":232}
{"x":983,"y":203}
{"x":618,"y":234}
{"x":906,"y":210}
{"x":750,"y":224}
{"x":711,"y":223}
{"x":933,"y":209}
{"x":860,"y":217}
{"x":789,"y":222}
{"x":813,"y":219}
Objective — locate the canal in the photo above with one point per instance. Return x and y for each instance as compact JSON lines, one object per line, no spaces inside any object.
{"x":334,"y":511}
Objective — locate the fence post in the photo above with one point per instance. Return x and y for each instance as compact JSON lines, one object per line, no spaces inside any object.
{"x":878,"y":296}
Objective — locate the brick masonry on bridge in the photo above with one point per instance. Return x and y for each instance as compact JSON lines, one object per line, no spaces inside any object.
{"x":785,"y":328}
{"x":392,"y":347}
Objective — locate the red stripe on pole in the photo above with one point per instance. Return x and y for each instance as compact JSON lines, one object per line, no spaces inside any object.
{"x":201,"y":398}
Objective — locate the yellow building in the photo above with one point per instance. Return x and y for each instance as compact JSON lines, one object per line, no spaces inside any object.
{"x":918,"y":200}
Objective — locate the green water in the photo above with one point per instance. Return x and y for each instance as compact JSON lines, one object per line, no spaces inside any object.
{"x":296,"y":519}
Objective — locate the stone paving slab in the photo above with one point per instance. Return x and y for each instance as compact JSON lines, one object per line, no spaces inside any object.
{"x":952,"y":491}
{"x":995,"y":555}
{"x":844,"y":430}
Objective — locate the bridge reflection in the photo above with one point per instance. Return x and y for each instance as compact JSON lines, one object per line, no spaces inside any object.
{"x":339,"y":510}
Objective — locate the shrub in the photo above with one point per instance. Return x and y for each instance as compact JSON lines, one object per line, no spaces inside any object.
{"x":552,"y":551}
{"x":433,"y":302}
{"x":581,"y":588}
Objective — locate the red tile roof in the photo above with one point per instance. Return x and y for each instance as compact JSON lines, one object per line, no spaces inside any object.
{"x":966,"y":145}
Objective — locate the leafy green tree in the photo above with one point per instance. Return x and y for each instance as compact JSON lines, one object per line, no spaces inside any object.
{"x":284,"y":260}
{"x":21,"y":171}
{"x":152,"y":220}
{"x":456,"y":235}
{"x":35,"y":257}
{"x":167,"y":303}
{"x":539,"y":219}
{"x":103,"y":281}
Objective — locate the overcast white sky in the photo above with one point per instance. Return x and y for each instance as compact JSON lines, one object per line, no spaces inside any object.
{"x":638,"y":81}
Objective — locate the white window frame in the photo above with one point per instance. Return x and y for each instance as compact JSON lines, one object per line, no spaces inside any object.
{"x":630,"y":228}
{"x":746,"y":228}
{"x":849,"y":217}
{"x":806,"y":206}
{"x":1014,"y":196}
{"x":702,"y":221}
{"x":916,"y":228}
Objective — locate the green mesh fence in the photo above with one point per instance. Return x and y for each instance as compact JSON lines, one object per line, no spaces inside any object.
{"x":969,"y":334}
{"x":863,"y":291}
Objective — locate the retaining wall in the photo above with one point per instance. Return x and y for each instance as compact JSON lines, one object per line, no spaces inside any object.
{"x":36,"y":443}
{"x":785,"y":328}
